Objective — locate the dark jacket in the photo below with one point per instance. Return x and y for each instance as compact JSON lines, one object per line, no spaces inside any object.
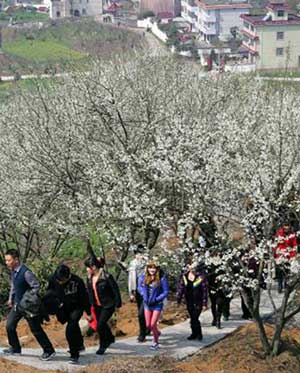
{"x":22,"y":280}
{"x":199,"y":290}
{"x":159,"y":292}
{"x":107,"y":290}
{"x":72,"y":295}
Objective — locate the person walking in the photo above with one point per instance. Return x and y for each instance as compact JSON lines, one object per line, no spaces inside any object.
{"x":154,"y":289}
{"x":284,"y":250}
{"x":193,"y":285}
{"x":73,"y":301}
{"x":23,"y":280}
{"x":104,"y":295}
{"x":218,"y":292}
{"x":135,"y":269}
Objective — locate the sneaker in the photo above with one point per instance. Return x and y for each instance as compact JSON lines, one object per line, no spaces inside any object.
{"x":11,"y":351}
{"x":154,"y":347}
{"x":100,"y":351}
{"x":73,"y":360}
{"x":47,"y":356}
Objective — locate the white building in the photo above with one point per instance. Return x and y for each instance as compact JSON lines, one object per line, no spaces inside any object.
{"x":214,"y":18}
{"x":76,"y":8}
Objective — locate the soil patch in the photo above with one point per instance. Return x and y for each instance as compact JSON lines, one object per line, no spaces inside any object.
{"x":241,"y":352}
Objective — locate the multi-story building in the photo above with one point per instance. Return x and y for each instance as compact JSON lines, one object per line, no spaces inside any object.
{"x":161,"y":7}
{"x":273,"y":39}
{"x":214,"y":18}
{"x":76,"y":8}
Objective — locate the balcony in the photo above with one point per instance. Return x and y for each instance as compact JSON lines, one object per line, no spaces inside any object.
{"x":250,"y":34}
{"x":250,"y":48}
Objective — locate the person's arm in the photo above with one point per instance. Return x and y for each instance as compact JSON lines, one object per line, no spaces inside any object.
{"x":32,"y":281}
{"x":180,"y":289}
{"x":132,"y":275}
{"x":11,"y":291}
{"x":116,"y":291}
{"x":165,"y":290}
{"x":204,"y":285}
{"x":83,"y":297}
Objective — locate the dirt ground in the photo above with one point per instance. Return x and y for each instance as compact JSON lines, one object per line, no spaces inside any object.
{"x":241,"y":352}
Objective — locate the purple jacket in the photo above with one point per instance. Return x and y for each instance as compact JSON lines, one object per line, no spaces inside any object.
{"x":199,"y":289}
{"x":159,"y":292}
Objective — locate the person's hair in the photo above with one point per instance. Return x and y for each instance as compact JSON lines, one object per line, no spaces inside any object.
{"x":148,"y":278}
{"x":92,"y":261}
{"x":62,"y":272}
{"x":14,"y":253}
{"x":139,"y":249}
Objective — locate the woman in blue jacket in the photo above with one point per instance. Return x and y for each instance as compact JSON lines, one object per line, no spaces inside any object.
{"x":153,"y":287}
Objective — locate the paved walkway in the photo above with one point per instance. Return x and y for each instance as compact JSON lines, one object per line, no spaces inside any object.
{"x":173,"y":342}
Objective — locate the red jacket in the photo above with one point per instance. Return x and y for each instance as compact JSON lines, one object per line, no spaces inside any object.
{"x":286,"y":245}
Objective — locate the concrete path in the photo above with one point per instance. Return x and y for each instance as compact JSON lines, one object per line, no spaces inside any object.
{"x":173,"y":342}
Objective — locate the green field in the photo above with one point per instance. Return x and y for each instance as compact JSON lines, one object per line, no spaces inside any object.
{"x":41,"y":50}
{"x":68,"y":43}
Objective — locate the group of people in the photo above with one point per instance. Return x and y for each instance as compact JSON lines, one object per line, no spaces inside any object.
{"x":69,"y":297}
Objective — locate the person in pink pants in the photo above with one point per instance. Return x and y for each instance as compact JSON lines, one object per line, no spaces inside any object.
{"x":153,"y":287}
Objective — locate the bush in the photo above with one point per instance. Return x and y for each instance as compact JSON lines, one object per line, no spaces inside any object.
{"x":4,"y":291}
{"x":43,"y":269}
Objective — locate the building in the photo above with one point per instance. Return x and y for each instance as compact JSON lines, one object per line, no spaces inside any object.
{"x":273,"y":39}
{"x":214,"y":18}
{"x":161,"y":8}
{"x":76,"y":8}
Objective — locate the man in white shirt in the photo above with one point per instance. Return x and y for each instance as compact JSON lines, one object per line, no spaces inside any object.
{"x":135,"y":269}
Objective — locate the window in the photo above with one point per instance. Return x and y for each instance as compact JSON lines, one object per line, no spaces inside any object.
{"x":279,"y":51}
{"x":280,"y":13}
{"x":57,"y":14}
{"x":280,"y":35}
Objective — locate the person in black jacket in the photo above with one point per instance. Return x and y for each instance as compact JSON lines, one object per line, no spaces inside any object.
{"x":193,"y":285}
{"x":105,"y":297}
{"x":68,"y":292}
{"x":22,"y":281}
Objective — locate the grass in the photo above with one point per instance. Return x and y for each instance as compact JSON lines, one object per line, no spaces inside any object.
{"x":40,"y":50}
{"x":24,"y":16}
{"x":281,"y":73}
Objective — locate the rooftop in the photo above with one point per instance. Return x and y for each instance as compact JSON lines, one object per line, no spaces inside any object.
{"x":223,"y":4}
{"x":261,"y":20}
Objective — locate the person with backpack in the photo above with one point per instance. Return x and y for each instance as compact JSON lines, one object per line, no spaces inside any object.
{"x":23,"y":281}
{"x":154,"y":289}
{"x":193,"y":286}
{"x":69,"y":292}
{"x":105,"y":297}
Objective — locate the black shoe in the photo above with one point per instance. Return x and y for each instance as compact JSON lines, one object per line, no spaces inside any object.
{"x":200,"y":337}
{"x":73,"y":360}
{"x":101,"y":351}
{"x":214,"y":323}
{"x":47,"y":356}
{"x":191,"y":337}
{"x":11,"y":351}
{"x":225,"y":318}
{"x":141,"y":339}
